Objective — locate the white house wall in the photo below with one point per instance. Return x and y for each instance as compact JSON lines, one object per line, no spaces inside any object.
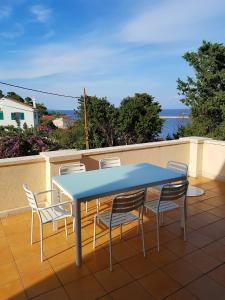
{"x":8,"y":107}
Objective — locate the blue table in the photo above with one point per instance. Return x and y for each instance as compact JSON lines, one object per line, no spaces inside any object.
{"x":84,"y":186}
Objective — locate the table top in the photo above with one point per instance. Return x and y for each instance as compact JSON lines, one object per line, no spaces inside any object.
{"x":98,"y":183}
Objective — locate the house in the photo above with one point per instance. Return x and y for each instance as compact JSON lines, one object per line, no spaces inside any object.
{"x":63,"y":122}
{"x":12,"y":111}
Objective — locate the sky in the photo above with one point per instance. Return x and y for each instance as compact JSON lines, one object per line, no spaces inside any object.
{"x":113,"y":48}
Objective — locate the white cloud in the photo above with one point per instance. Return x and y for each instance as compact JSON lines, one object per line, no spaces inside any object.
{"x":171,"y":20}
{"x":41,"y":13}
{"x":5,"y":12}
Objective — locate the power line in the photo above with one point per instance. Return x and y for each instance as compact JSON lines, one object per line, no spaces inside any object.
{"x":39,"y":91}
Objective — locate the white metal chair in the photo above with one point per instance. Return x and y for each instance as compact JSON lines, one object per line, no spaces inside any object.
{"x":106,"y":163}
{"x":73,"y":168}
{"x":121,"y":213}
{"x":177,"y":167}
{"x":46,"y":214}
{"x":166,"y":202}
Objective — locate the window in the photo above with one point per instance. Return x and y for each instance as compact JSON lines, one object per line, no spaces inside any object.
{"x":1,"y":115}
{"x":17,"y":116}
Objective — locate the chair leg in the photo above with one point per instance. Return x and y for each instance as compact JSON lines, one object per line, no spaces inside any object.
{"x":41,"y":240}
{"x":110,"y":250}
{"x":86,"y":207}
{"x":142,"y":237}
{"x":157,"y":230}
{"x":32,"y":227}
{"x":184,"y":222}
{"x":121,"y":231}
{"x":162,"y":218}
{"x":94,"y":235}
{"x":97,"y":205}
{"x":65,"y":222}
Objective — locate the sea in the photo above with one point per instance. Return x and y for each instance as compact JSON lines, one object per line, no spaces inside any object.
{"x":170,"y":126}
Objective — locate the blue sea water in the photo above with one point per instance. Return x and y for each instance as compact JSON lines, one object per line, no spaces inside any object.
{"x":170,"y":126}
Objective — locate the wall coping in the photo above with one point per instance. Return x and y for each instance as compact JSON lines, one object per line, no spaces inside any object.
{"x":21,"y":160}
{"x":73,"y":154}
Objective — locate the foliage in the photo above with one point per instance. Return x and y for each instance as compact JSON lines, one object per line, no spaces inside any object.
{"x":15,"y":96}
{"x":41,"y":109}
{"x":205,"y":94}
{"x":28,"y":101}
{"x":101,"y":119}
{"x":28,"y":141}
{"x":1,"y":94}
{"x":70,"y":138}
{"x":139,"y":120}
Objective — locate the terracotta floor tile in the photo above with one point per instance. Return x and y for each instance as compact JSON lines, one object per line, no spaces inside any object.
{"x":182,"y":294}
{"x":159,"y":284}
{"x":39,"y":283}
{"x":182,"y":271}
{"x":97,"y":260}
{"x":5,"y":255}
{"x":59,"y":257}
{"x":138,"y":265}
{"x":70,"y":272}
{"x":202,"y":206}
{"x":8,"y":273}
{"x":193,"y":210}
{"x":163,"y":257}
{"x":131,"y":291}
{"x":113,"y":280}
{"x":57,"y":294}
{"x":202,"y":261}
{"x":13,"y":290}
{"x":32,"y":264}
{"x":214,"y":201}
{"x":217,"y":250}
{"x":85,"y":288}
{"x":218,"y":275}
{"x":215,"y":230}
{"x":136,"y":242}
{"x":201,"y":220}
{"x":199,"y":240}
{"x":176,"y":229}
{"x":180,"y":247}
{"x":219,"y":211}
{"x":122,"y":251}
{"x":206,"y":289}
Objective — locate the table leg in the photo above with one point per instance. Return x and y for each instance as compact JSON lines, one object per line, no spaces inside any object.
{"x":77,"y":233}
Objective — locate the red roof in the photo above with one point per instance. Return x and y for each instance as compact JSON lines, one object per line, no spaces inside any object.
{"x":47,"y":118}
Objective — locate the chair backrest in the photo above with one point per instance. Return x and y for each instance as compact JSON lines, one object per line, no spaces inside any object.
{"x":109,"y":162}
{"x":127,"y":202}
{"x":178,"y":166}
{"x":30,"y":197}
{"x":171,"y":192}
{"x":72,"y":168}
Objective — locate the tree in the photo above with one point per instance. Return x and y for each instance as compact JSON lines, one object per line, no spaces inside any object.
{"x":15,"y":96}
{"x":139,"y":120}
{"x":28,"y":101}
{"x":205,"y":93}
{"x":101,"y":118}
{"x":1,"y":94}
{"x":42,"y":109}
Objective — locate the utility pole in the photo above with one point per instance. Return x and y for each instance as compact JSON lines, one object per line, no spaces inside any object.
{"x":85,"y":120}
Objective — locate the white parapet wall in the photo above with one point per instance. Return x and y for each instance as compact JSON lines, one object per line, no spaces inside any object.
{"x":205,"y":157}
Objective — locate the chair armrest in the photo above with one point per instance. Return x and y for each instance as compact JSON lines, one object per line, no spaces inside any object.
{"x":45,"y":192}
{"x":55,"y":205}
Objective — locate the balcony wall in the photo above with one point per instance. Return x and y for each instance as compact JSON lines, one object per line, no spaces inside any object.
{"x":205,"y":157}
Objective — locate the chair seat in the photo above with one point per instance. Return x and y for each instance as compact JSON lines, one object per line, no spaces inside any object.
{"x":117,"y":219}
{"x":164,"y":205}
{"x":54,"y":213}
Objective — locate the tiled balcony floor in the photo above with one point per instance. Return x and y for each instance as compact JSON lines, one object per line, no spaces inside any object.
{"x":182,"y":270}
